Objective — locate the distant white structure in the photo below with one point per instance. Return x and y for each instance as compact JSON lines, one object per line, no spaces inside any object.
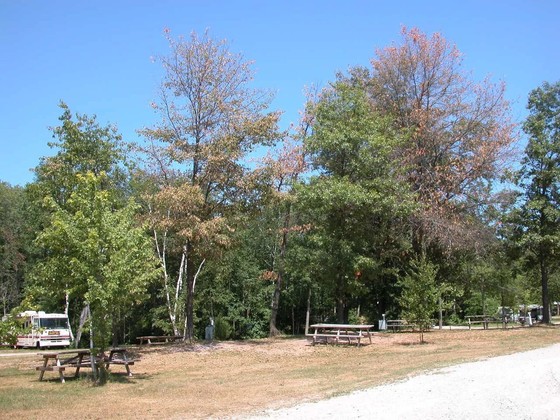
{"x":44,"y":330}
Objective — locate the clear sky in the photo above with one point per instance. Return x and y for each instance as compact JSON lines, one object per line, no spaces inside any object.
{"x":96,"y":55}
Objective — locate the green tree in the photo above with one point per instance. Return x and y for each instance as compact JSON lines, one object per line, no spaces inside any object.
{"x":12,"y":245}
{"x":280,"y":173}
{"x":236,"y":289}
{"x":354,"y":204}
{"x":97,"y":254}
{"x":420,"y":294}
{"x":82,"y":145}
{"x":211,"y":120}
{"x":539,"y":177}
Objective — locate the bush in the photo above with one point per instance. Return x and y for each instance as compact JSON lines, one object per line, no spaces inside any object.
{"x":222,"y":329}
{"x":9,"y":330}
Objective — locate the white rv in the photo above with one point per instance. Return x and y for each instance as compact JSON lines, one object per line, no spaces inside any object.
{"x":44,"y":330}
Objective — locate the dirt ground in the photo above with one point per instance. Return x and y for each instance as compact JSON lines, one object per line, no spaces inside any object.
{"x":230,"y":379}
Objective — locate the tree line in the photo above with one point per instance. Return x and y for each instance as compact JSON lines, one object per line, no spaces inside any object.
{"x":399,"y":188}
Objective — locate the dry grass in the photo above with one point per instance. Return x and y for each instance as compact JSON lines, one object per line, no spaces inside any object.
{"x":236,"y":378}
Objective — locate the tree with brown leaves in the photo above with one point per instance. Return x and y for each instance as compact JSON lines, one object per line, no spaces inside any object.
{"x":211,"y":119}
{"x":459,"y":133}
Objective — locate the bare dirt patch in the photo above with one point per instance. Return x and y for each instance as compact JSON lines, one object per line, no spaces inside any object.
{"x":227,"y":379}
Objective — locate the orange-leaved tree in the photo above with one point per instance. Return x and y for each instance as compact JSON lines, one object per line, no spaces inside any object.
{"x":211,"y":120}
{"x":459,"y":133}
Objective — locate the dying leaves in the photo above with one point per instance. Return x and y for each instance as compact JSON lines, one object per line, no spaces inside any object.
{"x":459,"y":132}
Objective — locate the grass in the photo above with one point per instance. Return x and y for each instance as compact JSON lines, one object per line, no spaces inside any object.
{"x":236,"y":378}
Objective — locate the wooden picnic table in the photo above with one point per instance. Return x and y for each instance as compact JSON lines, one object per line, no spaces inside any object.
{"x":486,"y":320}
{"x":337,"y":332}
{"x":55,"y":361}
{"x":149,"y":339}
{"x":59,"y":361}
{"x":118,"y":356}
{"x":399,"y":325}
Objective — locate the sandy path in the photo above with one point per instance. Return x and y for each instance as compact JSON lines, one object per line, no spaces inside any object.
{"x":519,"y":386}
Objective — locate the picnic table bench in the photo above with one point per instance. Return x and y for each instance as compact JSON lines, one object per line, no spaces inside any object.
{"x":338,"y":332}
{"x":81,"y":358}
{"x":150,"y":339}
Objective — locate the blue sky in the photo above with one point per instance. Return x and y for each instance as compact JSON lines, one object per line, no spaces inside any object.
{"x":96,"y":55}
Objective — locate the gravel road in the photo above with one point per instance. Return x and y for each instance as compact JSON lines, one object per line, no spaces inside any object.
{"x":519,"y":386}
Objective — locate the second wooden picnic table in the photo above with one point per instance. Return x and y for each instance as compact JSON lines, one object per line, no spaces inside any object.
{"x":59,"y":361}
{"x":338,"y":332}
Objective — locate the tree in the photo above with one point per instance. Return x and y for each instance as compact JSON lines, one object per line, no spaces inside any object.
{"x":83,"y":146}
{"x":458,"y":133}
{"x":211,"y":119}
{"x":80,"y":211}
{"x":12,"y":245}
{"x":355,"y":202}
{"x":281,"y":173}
{"x":97,"y":254}
{"x":539,"y":177}
{"x":420,"y":294}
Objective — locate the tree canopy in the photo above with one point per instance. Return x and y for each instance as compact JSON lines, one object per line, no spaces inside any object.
{"x":539,"y":215}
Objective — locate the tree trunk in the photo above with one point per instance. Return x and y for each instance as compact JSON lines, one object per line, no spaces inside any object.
{"x":308,"y":312}
{"x":273,"y":330}
{"x":341,"y":299}
{"x":440,"y":303}
{"x":189,"y":307}
{"x":172,"y":304}
{"x":189,"y":303}
{"x":189,"y":299}
{"x":544,"y":285}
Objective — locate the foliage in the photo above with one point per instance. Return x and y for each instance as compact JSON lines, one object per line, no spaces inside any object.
{"x":210,"y":120}
{"x":419,"y":298}
{"x":83,"y":146}
{"x":279,"y":174}
{"x":96,"y":254}
{"x":12,"y":246}
{"x":235,"y":289}
{"x":539,"y":177}
{"x":459,"y":133}
{"x":10,"y":327}
{"x":222,"y":329}
{"x":354,"y":202}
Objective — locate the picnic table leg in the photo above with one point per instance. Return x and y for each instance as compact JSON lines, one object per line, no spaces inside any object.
{"x":60,"y":372}
{"x":128,"y":372}
{"x":125,"y":360}
{"x":80,"y":357}
{"x":111,"y":354}
{"x":45,"y":362}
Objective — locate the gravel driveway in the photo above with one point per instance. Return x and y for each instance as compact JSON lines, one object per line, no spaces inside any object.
{"x":519,"y":386}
